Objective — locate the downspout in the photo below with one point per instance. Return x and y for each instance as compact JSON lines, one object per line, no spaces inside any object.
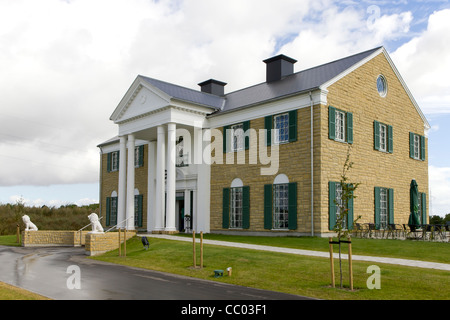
{"x":100,"y":185}
{"x":312,"y":165}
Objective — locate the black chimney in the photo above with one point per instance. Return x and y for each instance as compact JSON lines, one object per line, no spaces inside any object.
{"x":213,"y":86}
{"x":279,"y":67}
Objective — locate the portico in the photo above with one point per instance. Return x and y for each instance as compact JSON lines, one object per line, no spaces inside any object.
{"x":172,"y":131}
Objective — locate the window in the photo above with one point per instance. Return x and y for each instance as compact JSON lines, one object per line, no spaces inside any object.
{"x":384,"y":207}
{"x":139,"y":156}
{"x":111,"y":210}
{"x":382,"y":86}
{"x":237,"y":137}
{"x":236,"y":206}
{"x":416,"y":146}
{"x":281,"y":126}
{"x":113,"y":161}
{"x":336,"y":204}
{"x":182,"y":158}
{"x":383,"y":137}
{"x":340,"y":125}
{"x":280,"y":204}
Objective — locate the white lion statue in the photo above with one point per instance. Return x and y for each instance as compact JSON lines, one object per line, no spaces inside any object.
{"x":29,"y":226}
{"x":96,"y":226}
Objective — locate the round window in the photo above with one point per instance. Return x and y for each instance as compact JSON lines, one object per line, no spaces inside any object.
{"x":382,"y":86}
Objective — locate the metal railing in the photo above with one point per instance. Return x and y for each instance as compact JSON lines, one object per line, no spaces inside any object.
{"x":115,"y":226}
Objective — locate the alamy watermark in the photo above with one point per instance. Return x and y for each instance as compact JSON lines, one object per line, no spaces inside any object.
{"x":74,"y":280}
{"x":374,"y":281}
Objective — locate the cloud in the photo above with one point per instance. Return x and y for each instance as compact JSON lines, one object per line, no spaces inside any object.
{"x":424,"y":63}
{"x":439,"y":190}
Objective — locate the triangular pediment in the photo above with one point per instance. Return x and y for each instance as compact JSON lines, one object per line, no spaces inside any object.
{"x":140,"y":99}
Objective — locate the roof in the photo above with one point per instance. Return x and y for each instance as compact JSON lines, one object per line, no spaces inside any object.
{"x":299,"y":82}
{"x":186,"y":94}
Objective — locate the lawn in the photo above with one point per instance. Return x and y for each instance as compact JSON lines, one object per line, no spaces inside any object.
{"x":8,"y":292}
{"x":306,"y":276}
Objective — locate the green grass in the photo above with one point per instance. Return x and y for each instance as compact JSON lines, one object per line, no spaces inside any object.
{"x":403,"y":249}
{"x":8,"y":292}
{"x":306,"y":276}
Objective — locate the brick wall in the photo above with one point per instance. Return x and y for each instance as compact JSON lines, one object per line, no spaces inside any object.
{"x":99,"y":243}
{"x":42,"y":238}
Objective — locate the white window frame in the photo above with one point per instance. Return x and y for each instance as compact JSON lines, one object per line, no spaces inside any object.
{"x":281,"y":127}
{"x":383,"y":137}
{"x":340,"y":204}
{"x":237,"y":137}
{"x":384,"y":209}
{"x":416,"y":147}
{"x":281,"y":206}
{"x":236,"y":207}
{"x":340,"y":126}
{"x":115,"y":161}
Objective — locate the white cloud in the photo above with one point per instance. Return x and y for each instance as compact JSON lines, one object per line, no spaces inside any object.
{"x":424,"y":63}
{"x":440,"y":190}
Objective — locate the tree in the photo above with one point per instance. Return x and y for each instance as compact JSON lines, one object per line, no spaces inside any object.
{"x":348,"y":194}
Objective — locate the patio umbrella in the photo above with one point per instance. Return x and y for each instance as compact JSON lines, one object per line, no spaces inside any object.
{"x":414,"y":204}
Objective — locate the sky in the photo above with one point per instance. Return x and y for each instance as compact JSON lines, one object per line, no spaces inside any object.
{"x":66,"y":64}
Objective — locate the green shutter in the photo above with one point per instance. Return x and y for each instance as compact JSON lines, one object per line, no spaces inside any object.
{"x":424,"y":208}
{"x":411,"y":145}
{"x":108,"y":210}
{"x":226,"y":139}
{"x":141,"y":156}
{"x":350,"y":213}
{"x":292,"y":194}
{"x":268,"y":126}
{"x":377,"y":207}
{"x":376,"y":135}
{"x":390,"y":139}
{"x":422,"y":148}
{"x":332,"y":122}
{"x":246,"y":128}
{"x":391,"y":205}
{"x":268,"y":206}
{"x":140,"y":200}
{"x":226,"y":208}
{"x":292,"y":125}
{"x":332,"y":204}
{"x":350,"y":127}
{"x":246,"y":207}
{"x":108,"y":162}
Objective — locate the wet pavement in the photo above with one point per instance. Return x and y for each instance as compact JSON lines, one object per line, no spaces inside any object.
{"x":65,"y":273}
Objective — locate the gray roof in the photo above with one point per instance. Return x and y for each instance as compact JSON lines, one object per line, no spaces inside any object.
{"x":186,"y":94}
{"x":299,"y":82}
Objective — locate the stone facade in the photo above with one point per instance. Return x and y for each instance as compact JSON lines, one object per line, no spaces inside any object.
{"x":44,"y":238}
{"x":99,"y":243}
{"x":356,"y":93}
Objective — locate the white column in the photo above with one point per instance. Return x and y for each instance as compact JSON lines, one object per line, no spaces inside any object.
{"x":151,"y":199}
{"x":122,"y":198}
{"x":171,"y":178}
{"x":130,"y":183}
{"x":160,"y":174}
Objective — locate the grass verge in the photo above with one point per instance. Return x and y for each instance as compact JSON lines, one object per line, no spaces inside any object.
{"x":300,"y":275}
{"x":9,"y":292}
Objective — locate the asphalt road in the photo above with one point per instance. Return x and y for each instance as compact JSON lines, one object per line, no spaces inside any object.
{"x":66,"y":274}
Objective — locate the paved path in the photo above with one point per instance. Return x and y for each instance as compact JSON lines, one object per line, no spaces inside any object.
{"x":51,"y":272}
{"x":403,"y":262}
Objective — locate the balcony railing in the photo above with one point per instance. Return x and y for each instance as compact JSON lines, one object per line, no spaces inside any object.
{"x":182,"y":160}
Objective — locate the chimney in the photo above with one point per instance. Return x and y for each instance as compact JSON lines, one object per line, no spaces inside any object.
{"x":279,"y":67}
{"x":213,"y":86}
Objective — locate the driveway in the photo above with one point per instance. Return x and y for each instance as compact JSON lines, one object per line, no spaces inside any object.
{"x":65,"y":273}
